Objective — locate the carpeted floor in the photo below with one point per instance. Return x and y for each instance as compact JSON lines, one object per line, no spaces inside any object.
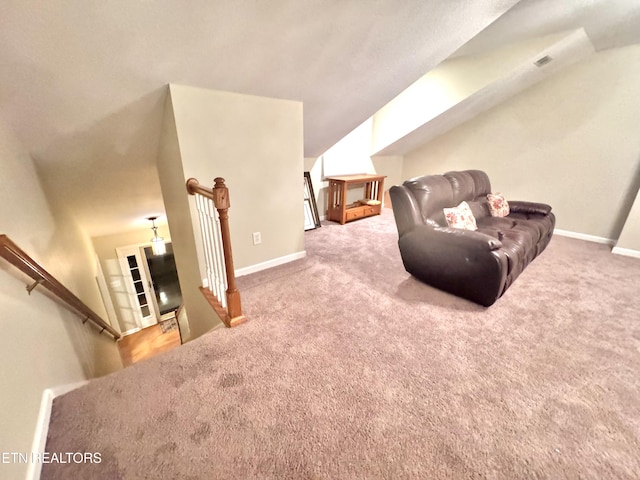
{"x":349,"y":368}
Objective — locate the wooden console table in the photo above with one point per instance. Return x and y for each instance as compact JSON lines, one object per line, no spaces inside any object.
{"x":340,"y":211}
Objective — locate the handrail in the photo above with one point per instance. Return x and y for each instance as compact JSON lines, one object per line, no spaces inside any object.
{"x":19,"y":259}
{"x":219,"y":194}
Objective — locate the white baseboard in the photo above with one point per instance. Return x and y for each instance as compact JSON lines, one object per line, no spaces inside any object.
{"x":42,"y":426}
{"x":131,"y":332}
{"x":270,"y":263}
{"x":627,"y":252}
{"x":584,"y":236}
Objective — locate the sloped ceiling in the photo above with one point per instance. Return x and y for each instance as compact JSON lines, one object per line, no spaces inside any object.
{"x":607,"y":23}
{"x":481,"y":84}
{"x":82,"y":82}
{"x":70,"y":64}
{"x":586,"y":25}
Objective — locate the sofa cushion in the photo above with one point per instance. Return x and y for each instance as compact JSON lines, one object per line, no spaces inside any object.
{"x":468,"y":185}
{"x":462,"y":186}
{"x":432,"y":194}
{"x":480,"y":207}
{"x":501,"y":223}
{"x":460,"y":217}
{"x":533,"y":229}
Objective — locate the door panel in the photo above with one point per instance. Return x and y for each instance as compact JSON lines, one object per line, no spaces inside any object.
{"x":140,"y":304}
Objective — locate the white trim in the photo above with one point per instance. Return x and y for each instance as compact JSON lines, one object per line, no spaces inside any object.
{"x":42,"y":425}
{"x":106,"y":296}
{"x":131,"y":331}
{"x":627,"y":252}
{"x":584,"y":236}
{"x":270,"y":263}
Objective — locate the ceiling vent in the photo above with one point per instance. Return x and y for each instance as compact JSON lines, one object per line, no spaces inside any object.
{"x":542,"y":61}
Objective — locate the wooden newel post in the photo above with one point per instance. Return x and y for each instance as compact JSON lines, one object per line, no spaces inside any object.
{"x":221,"y":202}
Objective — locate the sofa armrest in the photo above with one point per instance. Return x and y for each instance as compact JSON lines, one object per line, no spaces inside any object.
{"x":517,"y":206}
{"x":406,"y":210}
{"x":464,"y":262}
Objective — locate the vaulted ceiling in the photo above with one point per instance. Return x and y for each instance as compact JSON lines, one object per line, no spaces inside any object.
{"x":82,"y":83}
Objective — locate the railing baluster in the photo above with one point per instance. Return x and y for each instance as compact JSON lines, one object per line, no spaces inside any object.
{"x":212,"y":206}
{"x":206,"y":244}
{"x":209,"y":239}
{"x":218,"y":260}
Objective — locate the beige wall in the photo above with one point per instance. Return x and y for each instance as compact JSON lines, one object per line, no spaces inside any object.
{"x":570,"y":141}
{"x":202,"y":318}
{"x":42,"y":344}
{"x":256,"y":144}
{"x":391,"y":166}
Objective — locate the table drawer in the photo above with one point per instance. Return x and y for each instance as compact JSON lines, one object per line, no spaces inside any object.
{"x":359,"y":212}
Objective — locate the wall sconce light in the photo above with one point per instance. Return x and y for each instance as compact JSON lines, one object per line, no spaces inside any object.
{"x":157,"y":243}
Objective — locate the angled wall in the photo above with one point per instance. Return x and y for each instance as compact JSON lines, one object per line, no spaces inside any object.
{"x":42,"y":345}
{"x":463,"y":87}
{"x":202,"y":318}
{"x":570,"y":141}
{"x":256,"y":144}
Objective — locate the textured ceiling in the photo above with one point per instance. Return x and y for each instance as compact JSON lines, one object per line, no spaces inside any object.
{"x":67,"y":65}
{"x":82,"y":83}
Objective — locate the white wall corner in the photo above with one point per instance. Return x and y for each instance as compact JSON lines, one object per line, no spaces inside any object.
{"x":584,"y":236}
{"x":270,"y":263}
{"x":627,"y":252}
{"x":42,"y":425}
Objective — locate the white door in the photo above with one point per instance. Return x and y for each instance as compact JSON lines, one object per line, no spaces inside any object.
{"x":141,"y":305}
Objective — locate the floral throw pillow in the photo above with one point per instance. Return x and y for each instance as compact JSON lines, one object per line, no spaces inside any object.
{"x":460,"y":217}
{"x":498,"y":205}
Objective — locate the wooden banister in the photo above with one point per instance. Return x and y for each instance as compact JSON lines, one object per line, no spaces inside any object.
{"x":23,"y":262}
{"x":219,"y":194}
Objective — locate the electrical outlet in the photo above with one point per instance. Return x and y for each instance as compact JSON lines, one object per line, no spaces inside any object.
{"x":257,"y":238}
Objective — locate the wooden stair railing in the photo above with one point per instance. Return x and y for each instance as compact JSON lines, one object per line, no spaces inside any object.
{"x":18,"y":258}
{"x":221,"y":291}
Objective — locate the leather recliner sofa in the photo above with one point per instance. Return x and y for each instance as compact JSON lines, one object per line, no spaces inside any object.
{"x":478,"y":265}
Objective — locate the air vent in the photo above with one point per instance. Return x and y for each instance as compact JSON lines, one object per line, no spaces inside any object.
{"x":542,"y":61}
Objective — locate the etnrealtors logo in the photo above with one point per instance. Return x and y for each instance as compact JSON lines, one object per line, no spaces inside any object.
{"x":51,"y":457}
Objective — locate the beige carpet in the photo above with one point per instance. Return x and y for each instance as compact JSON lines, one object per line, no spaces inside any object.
{"x":349,"y":368}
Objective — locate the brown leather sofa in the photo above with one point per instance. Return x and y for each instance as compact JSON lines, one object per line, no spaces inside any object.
{"x":478,"y":265}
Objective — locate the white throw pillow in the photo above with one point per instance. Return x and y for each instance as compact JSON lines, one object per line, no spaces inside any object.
{"x":460,"y":217}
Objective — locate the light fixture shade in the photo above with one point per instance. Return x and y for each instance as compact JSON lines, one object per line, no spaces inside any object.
{"x":158,"y":246}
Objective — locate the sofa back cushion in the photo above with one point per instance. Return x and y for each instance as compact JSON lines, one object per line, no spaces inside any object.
{"x":435,"y":192}
{"x":462,"y":185}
